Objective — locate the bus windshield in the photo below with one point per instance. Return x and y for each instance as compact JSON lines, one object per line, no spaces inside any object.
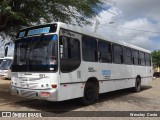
{"x":6,"y":63}
{"x":37,"y":53}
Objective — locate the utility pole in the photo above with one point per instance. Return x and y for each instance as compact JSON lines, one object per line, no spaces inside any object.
{"x":96,"y":25}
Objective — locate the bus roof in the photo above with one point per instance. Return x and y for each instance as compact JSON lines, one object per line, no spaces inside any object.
{"x":82,"y":30}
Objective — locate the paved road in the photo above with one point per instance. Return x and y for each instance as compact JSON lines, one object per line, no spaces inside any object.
{"x":123,"y":100}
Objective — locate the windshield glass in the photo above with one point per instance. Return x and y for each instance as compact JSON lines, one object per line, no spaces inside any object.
{"x":38,"y":53}
{"x":6,"y":63}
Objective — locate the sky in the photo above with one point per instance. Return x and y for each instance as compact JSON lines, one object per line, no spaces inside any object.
{"x":133,"y":21}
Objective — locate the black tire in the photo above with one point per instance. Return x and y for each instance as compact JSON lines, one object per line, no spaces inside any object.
{"x":137,"y":87}
{"x":90,"y":94}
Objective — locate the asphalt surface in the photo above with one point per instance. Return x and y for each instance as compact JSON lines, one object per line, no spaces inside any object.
{"x":122,"y":100}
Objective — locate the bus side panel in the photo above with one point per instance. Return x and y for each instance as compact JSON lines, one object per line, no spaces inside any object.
{"x":70,"y":81}
{"x":145,"y":74}
{"x":149,"y":74}
{"x":111,"y":76}
{"x":123,"y":75}
{"x":70,"y":91}
{"x":106,"y":86}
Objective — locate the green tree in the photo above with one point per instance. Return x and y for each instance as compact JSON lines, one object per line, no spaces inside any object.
{"x":17,"y":13}
{"x":156,"y":58}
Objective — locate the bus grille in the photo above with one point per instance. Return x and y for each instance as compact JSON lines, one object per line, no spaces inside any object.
{"x":28,"y":94}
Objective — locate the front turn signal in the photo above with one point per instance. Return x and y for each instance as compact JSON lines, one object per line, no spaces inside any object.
{"x":54,"y":86}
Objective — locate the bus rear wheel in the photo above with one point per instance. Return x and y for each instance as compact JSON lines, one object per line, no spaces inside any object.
{"x":90,"y":94}
{"x":137,"y":87}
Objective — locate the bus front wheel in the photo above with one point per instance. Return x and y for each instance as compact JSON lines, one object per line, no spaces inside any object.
{"x":90,"y":94}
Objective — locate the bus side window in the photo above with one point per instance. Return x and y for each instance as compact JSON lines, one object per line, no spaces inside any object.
{"x":117,"y":54}
{"x":135,"y":57}
{"x":127,"y":56}
{"x":69,"y":53}
{"x":104,"y":49}
{"x":89,"y":49}
{"x":141,"y":59}
{"x":69,"y":48}
{"x":148,"y":59}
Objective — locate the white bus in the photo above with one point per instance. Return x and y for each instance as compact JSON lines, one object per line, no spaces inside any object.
{"x":5,"y":70}
{"x":57,"y":62}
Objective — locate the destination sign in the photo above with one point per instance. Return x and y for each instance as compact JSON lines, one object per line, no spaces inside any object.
{"x":36,"y":30}
{"x":39,"y":31}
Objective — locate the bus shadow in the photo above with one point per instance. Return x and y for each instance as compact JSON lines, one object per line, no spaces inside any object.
{"x":70,"y":105}
{"x":146,"y":88}
{"x":52,"y":107}
{"x":5,"y":95}
{"x":118,"y":94}
{"x":127,"y":95}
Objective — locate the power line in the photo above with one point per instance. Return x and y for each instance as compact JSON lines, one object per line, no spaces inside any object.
{"x":129,"y":28}
{"x":117,"y":34}
{"x":122,"y":35}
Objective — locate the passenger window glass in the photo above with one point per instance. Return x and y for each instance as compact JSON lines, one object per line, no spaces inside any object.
{"x":127,"y":56}
{"x":104,"y":49}
{"x":89,"y":49}
{"x":69,"y":53}
{"x":69,"y":48}
{"x":148,"y":59}
{"x":118,"y":54}
{"x":141,"y":59}
{"x":135,"y":57}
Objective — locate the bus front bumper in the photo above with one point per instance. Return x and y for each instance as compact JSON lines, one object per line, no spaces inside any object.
{"x":47,"y":94}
